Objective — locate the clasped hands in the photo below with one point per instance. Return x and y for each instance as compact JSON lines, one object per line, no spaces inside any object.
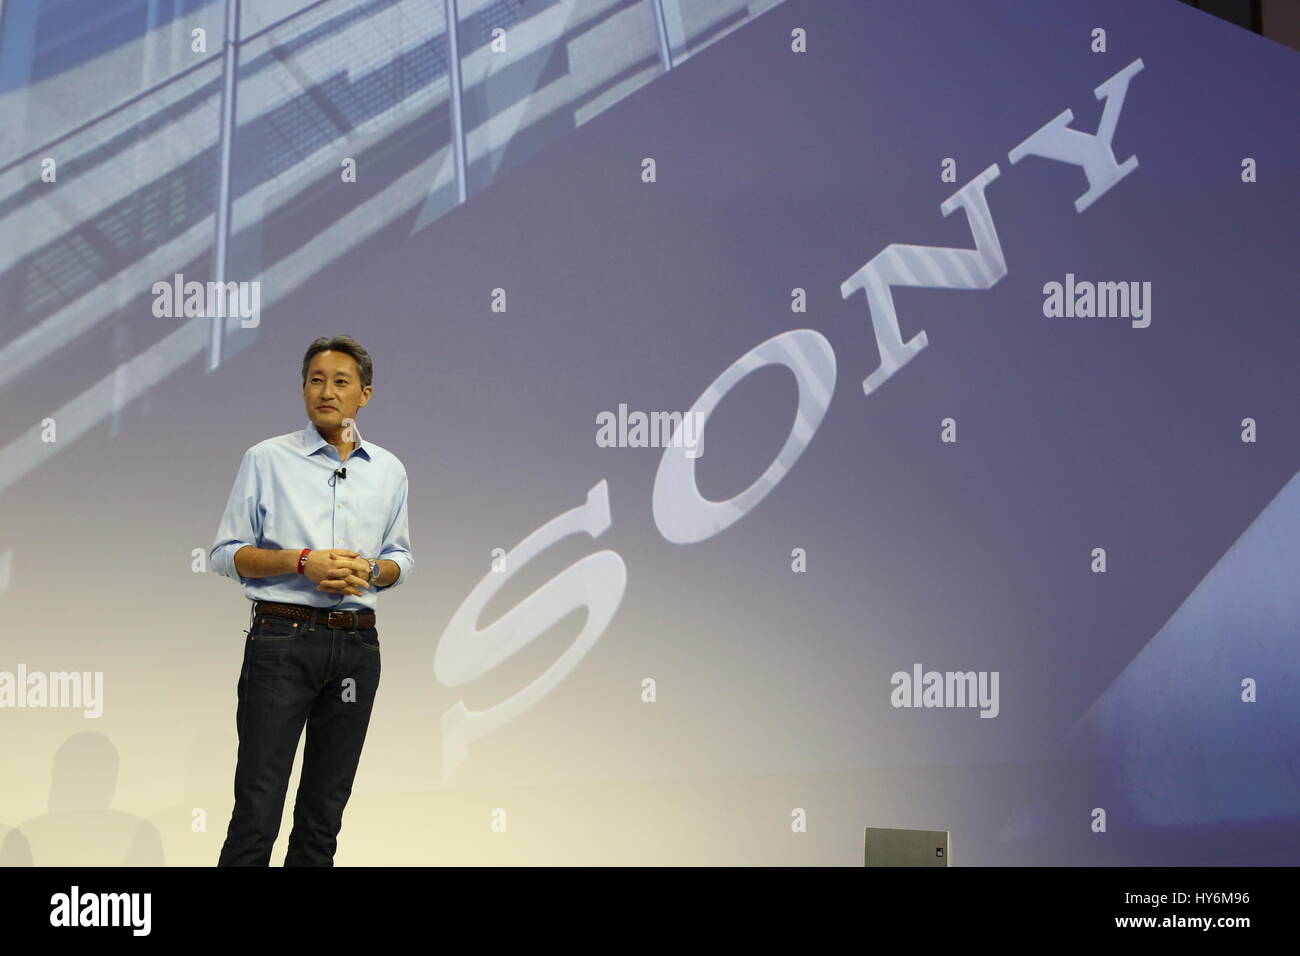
{"x":338,"y":571}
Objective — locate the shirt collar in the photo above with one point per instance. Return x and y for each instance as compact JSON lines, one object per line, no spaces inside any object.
{"x":313,"y":441}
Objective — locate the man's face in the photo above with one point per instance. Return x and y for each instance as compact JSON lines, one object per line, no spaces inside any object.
{"x":333,"y":390}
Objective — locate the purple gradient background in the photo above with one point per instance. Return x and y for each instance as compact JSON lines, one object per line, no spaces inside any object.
{"x":774,"y":171}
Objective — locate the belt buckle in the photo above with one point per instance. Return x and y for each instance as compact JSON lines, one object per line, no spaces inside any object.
{"x":351,"y":626}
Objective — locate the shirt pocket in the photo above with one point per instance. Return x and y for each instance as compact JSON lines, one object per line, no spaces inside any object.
{"x":372,"y":509}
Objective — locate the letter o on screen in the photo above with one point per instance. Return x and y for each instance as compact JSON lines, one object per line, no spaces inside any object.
{"x":681,"y":513}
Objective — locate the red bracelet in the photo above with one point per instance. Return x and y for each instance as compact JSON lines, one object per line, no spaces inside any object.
{"x":302,"y":559}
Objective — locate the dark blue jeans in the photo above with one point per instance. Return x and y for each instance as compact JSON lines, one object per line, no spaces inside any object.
{"x":296,"y":673}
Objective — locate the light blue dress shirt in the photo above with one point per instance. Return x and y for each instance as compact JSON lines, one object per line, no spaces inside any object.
{"x":283,"y":498}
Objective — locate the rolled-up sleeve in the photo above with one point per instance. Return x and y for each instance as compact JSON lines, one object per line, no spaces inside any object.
{"x":397,"y":538}
{"x":240,"y":525}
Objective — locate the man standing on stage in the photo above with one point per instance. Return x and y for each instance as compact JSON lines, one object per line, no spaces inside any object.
{"x":315,"y":520}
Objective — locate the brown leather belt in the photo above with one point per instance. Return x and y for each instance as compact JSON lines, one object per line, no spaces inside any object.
{"x":348,"y":620}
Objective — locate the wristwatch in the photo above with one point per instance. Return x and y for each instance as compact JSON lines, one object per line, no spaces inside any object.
{"x":374,"y":570}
